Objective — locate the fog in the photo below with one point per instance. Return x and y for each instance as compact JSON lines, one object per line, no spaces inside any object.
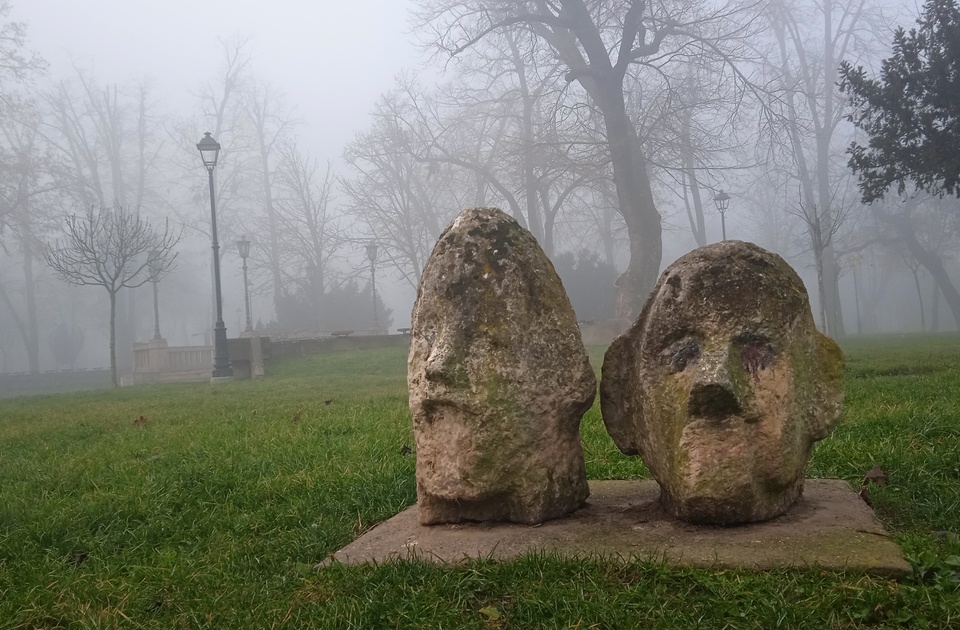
{"x":331,"y":60}
{"x":343,"y":124}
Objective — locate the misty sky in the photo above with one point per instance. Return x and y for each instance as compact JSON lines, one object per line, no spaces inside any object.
{"x":331,"y":58}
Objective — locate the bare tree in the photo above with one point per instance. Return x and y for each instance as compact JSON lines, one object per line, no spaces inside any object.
{"x":28,"y":181}
{"x":822,"y":225}
{"x":221,"y":105}
{"x":925,"y":228}
{"x":919,"y":225}
{"x":112,"y":248}
{"x":16,"y":64}
{"x":271,"y":124}
{"x":521,"y":132}
{"x":693,"y":121}
{"x":811,"y":38}
{"x":25,"y":174}
{"x":106,"y":136}
{"x":599,"y":41}
{"x":404,"y":201}
{"x":916,"y":269}
{"x":308,"y":234}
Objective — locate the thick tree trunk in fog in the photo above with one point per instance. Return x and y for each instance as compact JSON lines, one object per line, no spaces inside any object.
{"x":598,"y":56}
{"x":632,"y":182}
{"x":639,"y":213}
{"x":600,"y":43}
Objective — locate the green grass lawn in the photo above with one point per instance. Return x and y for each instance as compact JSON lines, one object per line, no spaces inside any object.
{"x":213,"y":510}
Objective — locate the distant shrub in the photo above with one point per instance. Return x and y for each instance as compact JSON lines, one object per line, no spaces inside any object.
{"x":590,"y":284}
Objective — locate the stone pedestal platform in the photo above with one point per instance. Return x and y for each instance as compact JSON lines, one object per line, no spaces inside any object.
{"x":830,"y":527}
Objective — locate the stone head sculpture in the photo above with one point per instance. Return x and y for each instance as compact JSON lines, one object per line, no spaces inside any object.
{"x":723,"y":384}
{"x":498,"y":379}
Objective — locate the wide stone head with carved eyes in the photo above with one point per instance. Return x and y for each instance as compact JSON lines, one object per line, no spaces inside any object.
{"x":723,"y":384}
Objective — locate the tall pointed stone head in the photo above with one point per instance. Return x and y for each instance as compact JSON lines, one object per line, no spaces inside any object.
{"x":498,"y":378}
{"x":723,"y":384}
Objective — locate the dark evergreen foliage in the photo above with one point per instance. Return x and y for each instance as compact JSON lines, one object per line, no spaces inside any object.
{"x":346,"y":307}
{"x":911,"y":114}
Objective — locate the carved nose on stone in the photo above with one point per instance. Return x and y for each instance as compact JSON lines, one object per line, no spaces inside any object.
{"x":712,"y":400}
{"x":437,"y":366}
{"x":435,"y":372}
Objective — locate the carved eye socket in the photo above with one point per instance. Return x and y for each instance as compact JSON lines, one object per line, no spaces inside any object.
{"x":757,"y":354}
{"x":682,"y":354}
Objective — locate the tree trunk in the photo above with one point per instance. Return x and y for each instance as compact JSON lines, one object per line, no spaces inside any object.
{"x":534,"y":218}
{"x":916,"y":281}
{"x":635,"y":199}
{"x":113,"y":337}
{"x":824,"y":326}
{"x":694,"y":213}
{"x":272,"y":224}
{"x":604,"y":83}
{"x":815,"y":178}
{"x":17,"y":320}
{"x":935,"y":308}
{"x":32,"y":339}
{"x":831,"y":291}
{"x":830,"y":217}
{"x":126,"y":327}
{"x":934,"y":265}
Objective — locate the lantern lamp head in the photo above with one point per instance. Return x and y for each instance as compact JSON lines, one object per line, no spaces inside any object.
{"x":209,"y":150}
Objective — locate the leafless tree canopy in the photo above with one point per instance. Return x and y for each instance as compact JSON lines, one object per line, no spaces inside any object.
{"x":616,"y":51}
{"x":605,"y":127}
{"x":113,"y":248}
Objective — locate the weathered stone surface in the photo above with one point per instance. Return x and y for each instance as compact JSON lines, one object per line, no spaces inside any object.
{"x":829,"y":527}
{"x":498,"y":379}
{"x":723,"y":384}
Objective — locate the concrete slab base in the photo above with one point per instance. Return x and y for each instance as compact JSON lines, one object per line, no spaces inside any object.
{"x":830,"y":527}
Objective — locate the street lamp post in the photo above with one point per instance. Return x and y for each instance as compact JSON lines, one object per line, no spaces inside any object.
{"x":153,"y":261}
{"x":372,"y":257}
{"x":722,"y":200}
{"x":243,"y":246}
{"x":209,"y":150}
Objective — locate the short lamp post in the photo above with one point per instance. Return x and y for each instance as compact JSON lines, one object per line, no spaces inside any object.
{"x":153,"y":262}
{"x":722,"y":200}
{"x":372,"y":257}
{"x":209,"y":151}
{"x":243,"y":246}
